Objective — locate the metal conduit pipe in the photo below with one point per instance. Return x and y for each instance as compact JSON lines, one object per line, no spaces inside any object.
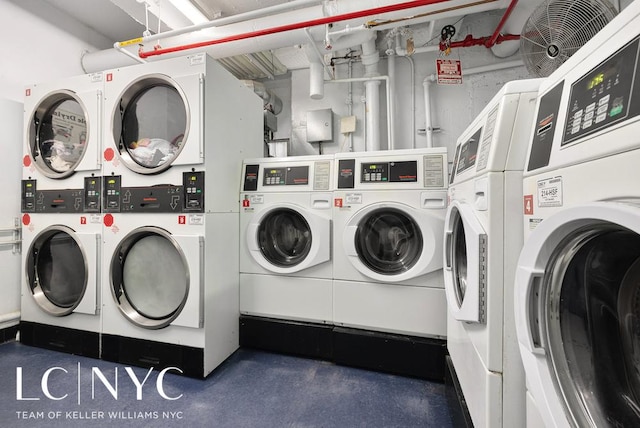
{"x":378,"y":79}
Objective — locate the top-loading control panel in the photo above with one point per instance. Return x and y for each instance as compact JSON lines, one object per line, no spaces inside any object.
{"x":163,"y":198}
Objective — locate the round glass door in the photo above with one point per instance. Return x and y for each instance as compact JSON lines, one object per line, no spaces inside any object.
{"x":459,"y":259}
{"x":58,"y":134}
{"x":56,"y":270}
{"x":284,"y":237}
{"x":388,"y":241}
{"x":591,"y":304}
{"x":150,"y":125}
{"x":149,"y":278}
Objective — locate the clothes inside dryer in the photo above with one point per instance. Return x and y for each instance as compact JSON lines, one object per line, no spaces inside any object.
{"x":388,"y":241}
{"x":149,"y":277}
{"x":150,"y":125}
{"x":58,"y":134}
{"x":284,"y":237}
{"x":57,"y":271}
{"x":592,"y":317}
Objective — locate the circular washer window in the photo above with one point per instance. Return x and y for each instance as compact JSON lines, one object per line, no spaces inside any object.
{"x":58,"y":134}
{"x":149,"y":277}
{"x":388,"y":241}
{"x":592,"y":316}
{"x":459,"y":259}
{"x":150,"y":124}
{"x":284,"y":237}
{"x":56,"y":270}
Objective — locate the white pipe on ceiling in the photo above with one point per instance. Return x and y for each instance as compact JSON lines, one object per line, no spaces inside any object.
{"x":111,"y":58}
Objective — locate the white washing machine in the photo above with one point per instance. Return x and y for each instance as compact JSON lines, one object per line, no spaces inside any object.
{"x":62,"y":132}
{"x":285,"y":238}
{"x":482,"y":240}
{"x":388,"y":220}
{"x":577,"y":289}
{"x":178,"y":115}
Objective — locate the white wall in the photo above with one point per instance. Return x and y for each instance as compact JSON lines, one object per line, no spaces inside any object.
{"x":35,"y":49}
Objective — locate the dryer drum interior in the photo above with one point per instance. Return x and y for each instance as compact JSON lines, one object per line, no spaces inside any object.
{"x":57,"y":271}
{"x":284,"y":237}
{"x":150,"y":125}
{"x":149,"y":278}
{"x":58,"y":134}
{"x":459,"y":258}
{"x":591,"y":324}
{"x":388,"y":241}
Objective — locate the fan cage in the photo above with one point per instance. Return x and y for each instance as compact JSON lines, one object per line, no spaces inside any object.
{"x":558,"y":28}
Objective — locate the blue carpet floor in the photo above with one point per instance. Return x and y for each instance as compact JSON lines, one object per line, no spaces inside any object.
{"x":251,"y":389}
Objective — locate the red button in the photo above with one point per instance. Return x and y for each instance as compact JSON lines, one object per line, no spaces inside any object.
{"x":26,"y":219}
{"x":108,"y":220}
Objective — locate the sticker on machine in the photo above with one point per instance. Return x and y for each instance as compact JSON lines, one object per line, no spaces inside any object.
{"x":534,"y":222}
{"x":256,"y":199}
{"x":353,"y":198}
{"x":196,"y":219}
{"x":550,"y":192}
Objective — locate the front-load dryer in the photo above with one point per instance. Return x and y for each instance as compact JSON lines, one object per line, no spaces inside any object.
{"x":61,"y":263}
{"x":170,"y":287}
{"x":168,"y":117}
{"x":482,"y":240}
{"x":285,"y":238}
{"x":388,"y":220}
{"x":63,"y":134}
{"x":577,"y":281}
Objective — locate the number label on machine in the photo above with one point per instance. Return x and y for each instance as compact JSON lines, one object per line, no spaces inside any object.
{"x":550,"y":192}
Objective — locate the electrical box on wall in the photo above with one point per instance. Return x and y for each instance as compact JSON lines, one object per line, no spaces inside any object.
{"x":319,"y":125}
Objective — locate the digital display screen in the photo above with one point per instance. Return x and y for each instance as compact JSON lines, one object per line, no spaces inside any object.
{"x":595,"y":81}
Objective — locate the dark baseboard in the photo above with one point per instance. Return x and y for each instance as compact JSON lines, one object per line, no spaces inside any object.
{"x":159,"y":355}
{"x":392,"y":353}
{"x":68,"y":340}
{"x":9,"y":334}
{"x":458,"y":409}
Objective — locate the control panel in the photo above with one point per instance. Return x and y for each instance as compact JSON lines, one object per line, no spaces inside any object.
{"x":389,"y":172}
{"x":603,"y":96}
{"x":61,"y":200}
{"x":286,"y":176}
{"x":162,"y":198}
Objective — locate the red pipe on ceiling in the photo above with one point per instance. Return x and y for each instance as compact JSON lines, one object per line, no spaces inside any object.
{"x":489,"y":41}
{"x":494,"y":38}
{"x":295,"y":26}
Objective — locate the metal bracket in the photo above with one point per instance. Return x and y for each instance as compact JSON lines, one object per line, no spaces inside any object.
{"x":16,"y":241}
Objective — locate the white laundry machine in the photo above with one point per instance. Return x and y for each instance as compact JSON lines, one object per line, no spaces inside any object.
{"x":577,"y":287}
{"x":482,"y":240}
{"x":169,"y":117}
{"x":61,"y":262}
{"x":63,"y":125}
{"x":186,"y":315}
{"x":388,"y":219}
{"x":285,"y":238}
{"x":61,"y":224}
{"x":170,"y":290}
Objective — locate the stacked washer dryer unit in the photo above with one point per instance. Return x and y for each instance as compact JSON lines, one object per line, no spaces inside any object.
{"x":173,"y":129}
{"x":61,"y":215}
{"x":285,"y":238}
{"x":482,"y":240}
{"x":577,"y":288}
{"x":388,"y":218}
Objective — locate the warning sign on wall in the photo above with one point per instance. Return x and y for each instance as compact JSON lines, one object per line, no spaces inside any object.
{"x":449,"y":71}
